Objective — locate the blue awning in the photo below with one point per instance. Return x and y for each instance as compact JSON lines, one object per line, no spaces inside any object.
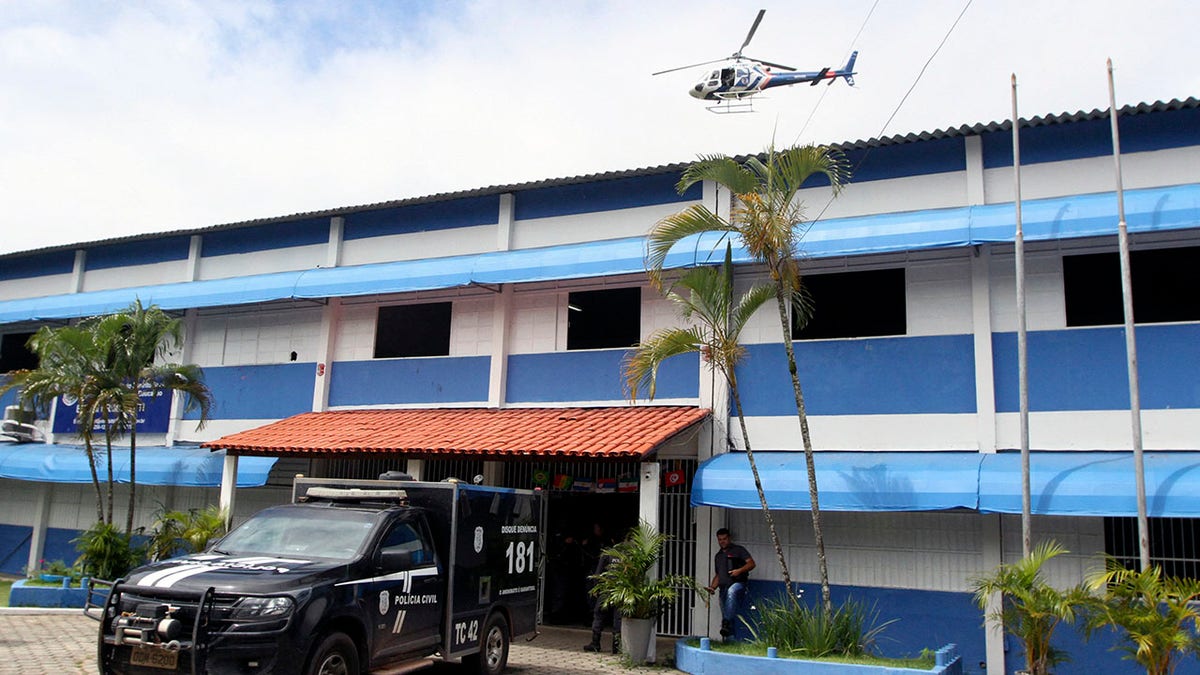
{"x":1062,"y":483}
{"x":846,"y":481}
{"x":1092,"y":484}
{"x":1147,"y":210}
{"x":181,"y":466}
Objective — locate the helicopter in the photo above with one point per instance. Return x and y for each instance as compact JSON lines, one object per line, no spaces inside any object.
{"x":747,"y":76}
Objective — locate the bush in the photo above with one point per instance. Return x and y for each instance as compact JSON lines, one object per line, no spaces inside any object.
{"x":179,"y":532}
{"x":106,"y":552}
{"x":790,"y":625}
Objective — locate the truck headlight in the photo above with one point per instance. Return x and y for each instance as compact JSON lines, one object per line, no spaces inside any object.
{"x":259,"y":609}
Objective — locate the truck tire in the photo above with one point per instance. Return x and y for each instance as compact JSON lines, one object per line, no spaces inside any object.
{"x":493,"y":648}
{"x":336,"y":655}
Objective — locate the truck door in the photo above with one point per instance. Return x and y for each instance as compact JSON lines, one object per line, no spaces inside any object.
{"x":411,"y":591}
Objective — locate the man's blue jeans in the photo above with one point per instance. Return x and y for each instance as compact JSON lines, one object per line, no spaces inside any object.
{"x":731,"y":601}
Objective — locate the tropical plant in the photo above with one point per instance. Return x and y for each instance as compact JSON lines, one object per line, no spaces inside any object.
{"x":68,"y":357}
{"x":851,"y":629}
{"x":630,"y":582}
{"x":106,"y":552}
{"x":1031,"y":609}
{"x":704,"y":298}
{"x":182,"y":532}
{"x":136,"y":339}
{"x":768,"y":219}
{"x":1159,"y":614}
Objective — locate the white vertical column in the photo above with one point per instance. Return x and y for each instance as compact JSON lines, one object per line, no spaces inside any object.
{"x":993,"y":555}
{"x":195,"y":250}
{"x":981,"y":328}
{"x":333,"y":255}
{"x":78,"y":270}
{"x":974,"y":152}
{"x":228,"y":486}
{"x":650,"y":480}
{"x":41,"y":520}
{"x":501,"y":313}
{"x":331,"y":316}
{"x":190,"y":318}
{"x":415,"y":467}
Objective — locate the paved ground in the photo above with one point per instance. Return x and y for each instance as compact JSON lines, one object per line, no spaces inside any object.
{"x":56,"y":642}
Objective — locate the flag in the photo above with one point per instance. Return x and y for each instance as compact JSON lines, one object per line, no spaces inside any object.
{"x":562,"y":482}
{"x":541,"y":477}
{"x":673,"y":478}
{"x":628,"y":484}
{"x":582,"y":485}
{"x":606,"y":485}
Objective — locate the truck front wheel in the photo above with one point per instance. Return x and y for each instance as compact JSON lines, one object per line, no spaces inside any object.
{"x":336,"y":655}
{"x":493,"y":648}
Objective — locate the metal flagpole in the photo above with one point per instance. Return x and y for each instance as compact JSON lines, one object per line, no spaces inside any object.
{"x":1135,"y":401}
{"x":1022,"y":344}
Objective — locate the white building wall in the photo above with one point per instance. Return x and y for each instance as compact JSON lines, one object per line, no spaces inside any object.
{"x":890,"y":195}
{"x":36,"y":287}
{"x":419,"y":245}
{"x":135,"y":275}
{"x":921,"y":551}
{"x":264,"y":262}
{"x":1175,"y":166}
{"x":618,"y":224}
{"x":265,"y":336}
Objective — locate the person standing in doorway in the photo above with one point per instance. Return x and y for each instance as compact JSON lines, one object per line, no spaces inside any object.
{"x":732,"y":565}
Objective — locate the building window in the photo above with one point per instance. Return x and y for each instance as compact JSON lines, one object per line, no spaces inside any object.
{"x":1164,"y":286}
{"x":853,"y":304}
{"x":604,"y":319}
{"x":1174,"y":544}
{"x":413,"y":330}
{"x":13,"y":353}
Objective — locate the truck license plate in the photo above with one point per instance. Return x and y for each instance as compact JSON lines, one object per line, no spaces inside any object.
{"x":154,"y":657}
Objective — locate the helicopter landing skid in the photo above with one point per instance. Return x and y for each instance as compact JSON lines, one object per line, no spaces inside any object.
{"x":730,"y":106}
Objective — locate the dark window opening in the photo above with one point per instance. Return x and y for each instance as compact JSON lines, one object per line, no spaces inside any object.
{"x":853,"y":304}
{"x":1174,"y":544}
{"x":413,"y":330}
{"x":1166,"y":287}
{"x":14,"y":355}
{"x":604,"y":319}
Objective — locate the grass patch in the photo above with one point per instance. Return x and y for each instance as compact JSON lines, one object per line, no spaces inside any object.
{"x":749,"y":649}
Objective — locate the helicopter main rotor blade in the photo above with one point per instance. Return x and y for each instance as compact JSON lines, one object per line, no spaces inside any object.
{"x":750,"y":35}
{"x":768,"y":63}
{"x":694,"y":65}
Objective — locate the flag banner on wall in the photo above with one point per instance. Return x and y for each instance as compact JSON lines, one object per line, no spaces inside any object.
{"x":673,"y":478}
{"x":582,"y":485}
{"x":541,"y":478}
{"x":562,"y":482}
{"x":628,"y":484}
{"x":606,"y":485}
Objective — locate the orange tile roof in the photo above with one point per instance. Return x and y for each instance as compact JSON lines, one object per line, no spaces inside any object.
{"x":616,"y":432}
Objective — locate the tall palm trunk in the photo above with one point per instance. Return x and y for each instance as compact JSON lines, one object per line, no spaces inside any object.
{"x":132,"y":473}
{"x":810,"y":464}
{"x":108,"y":434}
{"x":91,"y":458}
{"x":762,"y":496}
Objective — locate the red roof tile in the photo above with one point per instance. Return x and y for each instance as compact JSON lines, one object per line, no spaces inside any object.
{"x":617,"y":432}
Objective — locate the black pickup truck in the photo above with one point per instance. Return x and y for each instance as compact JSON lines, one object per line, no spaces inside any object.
{"x":350,"y":577}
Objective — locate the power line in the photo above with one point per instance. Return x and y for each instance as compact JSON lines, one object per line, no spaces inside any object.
{"x":845,"y":57}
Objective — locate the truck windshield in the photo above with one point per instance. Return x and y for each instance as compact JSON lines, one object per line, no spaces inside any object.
{"x":301,"y":532}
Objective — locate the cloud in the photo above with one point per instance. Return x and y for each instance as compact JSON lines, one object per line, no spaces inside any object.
{"x":122,"y":118}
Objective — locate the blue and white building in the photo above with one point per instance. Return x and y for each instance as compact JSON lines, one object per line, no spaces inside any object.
{"x":526,"y":296}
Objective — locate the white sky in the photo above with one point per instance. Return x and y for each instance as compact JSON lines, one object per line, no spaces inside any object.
{"x":126,"y":117}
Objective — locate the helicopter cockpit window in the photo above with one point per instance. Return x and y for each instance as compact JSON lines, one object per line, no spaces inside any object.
{"x":743,"y":77}
{"x":727,"y":77}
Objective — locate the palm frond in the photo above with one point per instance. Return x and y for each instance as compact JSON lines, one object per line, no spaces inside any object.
{"x":640,"y":365}
{"x":669,"y":231}
{"x":721,"y":169}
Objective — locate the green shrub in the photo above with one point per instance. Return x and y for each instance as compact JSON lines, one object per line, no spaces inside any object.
{"x":182,"y":532}
{"x":792,"y":626}
{"x":106,"y":552}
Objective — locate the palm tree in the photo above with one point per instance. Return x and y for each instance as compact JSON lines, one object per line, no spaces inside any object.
{"x":768,"y":219}
{"x":1031,"y":608}
{"x":705,"y":299}
{"x":1158,"y":614}
{"x":67,"y":357}
{"x":135,"y":339}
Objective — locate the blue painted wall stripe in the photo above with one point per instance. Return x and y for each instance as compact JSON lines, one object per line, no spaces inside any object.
{"x":608,"y":195}
{"x":1085,"y":368}
{"x":266,"y":237}
{"x":869,"y":376}
{"x":444,"y":379}
{"x":592,"y":375}
{"x":143,"y":252}
{"x":259,"y":392}
{"x":422,"y":217}
{"x":38,"y":265}
{"x":1093,"y":138}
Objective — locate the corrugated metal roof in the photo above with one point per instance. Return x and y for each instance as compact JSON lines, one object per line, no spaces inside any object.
{"x":612,"y":432}
{"x":963,"y":130}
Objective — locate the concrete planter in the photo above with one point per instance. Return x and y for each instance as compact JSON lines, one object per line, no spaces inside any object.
{"x":703,"y":661}
{"x":23,"y":595}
